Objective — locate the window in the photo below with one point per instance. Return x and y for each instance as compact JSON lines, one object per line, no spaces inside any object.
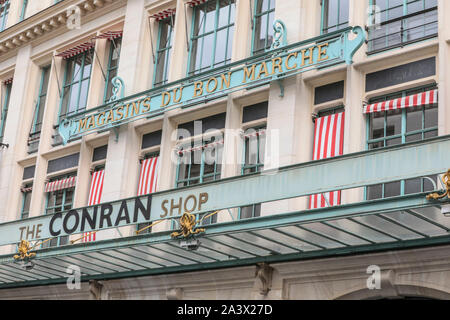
{"x":26,"y":201}
{"x":199,"y":165}
{"x":334,"y":15}
{"x":148,"y":181}
{"x":76,"y":84}
{"x":36,"y":126}
{"x":401,"y":22}
{"x":254,"y":153}
{"x":24,"y":9}
{"x":263,"y":25}
{"x":163,"y":51}
{"x":5,"y":107}
{"x":400,"y":126}
{"x":113,"y":66}
{"x":212,"y":35}
{"x":59,"y":201}
{"x":4,"y":10}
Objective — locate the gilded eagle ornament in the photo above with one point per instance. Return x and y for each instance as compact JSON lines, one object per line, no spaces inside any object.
{"x":187,"y":223}
{"x":437,"y":196}
{"x":24,"y":251}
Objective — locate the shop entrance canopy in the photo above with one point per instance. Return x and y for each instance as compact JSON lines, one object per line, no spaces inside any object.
{"x":399,"y":222}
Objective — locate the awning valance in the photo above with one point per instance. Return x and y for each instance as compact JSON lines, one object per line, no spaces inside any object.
{"x":194,"y":3}
{"x":110,"y":35}
{"x":420,"y":99}
{"x":61,"y":184}
{"x":76,"y":50}
{"x":206,"y":146}
{"x":164,"y":14}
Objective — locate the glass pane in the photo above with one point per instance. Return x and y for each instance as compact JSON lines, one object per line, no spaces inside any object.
{"x":377,"y":125}
{"x":343,"y":13}
{"x":431,"y":134}
{"x":393,"y":142}
{"x":394,"y":123}
{"x":247,"y":212}
{"x":375,"y":192}
{"x":413,"y":186}
{"x":429,"y":186}
{"x":208,"y":44}
{"x":413,"y":119}
{"x":392,"y":189}
{"x":431,"y":117}
{"x":221,"y":46}
{"x":414,"y":137}
{"x":83,"y":94}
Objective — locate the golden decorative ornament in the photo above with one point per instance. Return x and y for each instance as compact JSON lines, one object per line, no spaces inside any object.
{"x":24,"y":251}
{"x":437,"y":196}
{"x":187,"y":223}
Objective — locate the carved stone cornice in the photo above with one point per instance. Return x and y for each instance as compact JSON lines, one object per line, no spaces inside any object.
{"x":44,"y":22}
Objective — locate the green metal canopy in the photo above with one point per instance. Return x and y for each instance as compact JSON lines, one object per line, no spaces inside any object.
{"x":394,"y":223}
{"x":401,"y":222}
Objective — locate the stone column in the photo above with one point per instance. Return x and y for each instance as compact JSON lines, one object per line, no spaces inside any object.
{"x":122,"y":162}
{"x":443,"y":67}
{"x":16,"y":136}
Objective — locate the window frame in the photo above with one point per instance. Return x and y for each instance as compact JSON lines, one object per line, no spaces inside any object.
{"x":192,"y":68}
{"x":24,"y":9}
{"x":5,"y":108}
{"x":25,"y":196}
{"x":114,"y":44}
{"x":403,"y":135}
{"x":259,"y":15}
{"x":338,"y":26}
{"x":140,"y":226}
{"x":202,"y":175}
{"x":258,"y":166}
{"x":38,"y":102}
{"x":4,"y":13}
{"x":61,"y":240}
{"x":404,"y":20}
{"x":166,"y":51}
{"x":72,"y":83}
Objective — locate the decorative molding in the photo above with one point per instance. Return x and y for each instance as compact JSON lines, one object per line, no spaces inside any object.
{"x":19,"y":34}
{"x":95,"y":290}
{"x":263,"y":280}
{"x":174,"y":294}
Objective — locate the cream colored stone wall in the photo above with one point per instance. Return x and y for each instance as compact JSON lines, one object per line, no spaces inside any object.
{"x":423,"y":273}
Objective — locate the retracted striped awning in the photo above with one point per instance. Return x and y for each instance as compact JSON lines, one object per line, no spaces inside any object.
{"x":76,"y":50}
{"x":110,"y":35}
{"x":24,"y":189}
{"x":210,"y":145}
{"x":8,"y":81}
{"x":164,"y":14}
{"x":255,"y":134}
{"x":420,"y":99}
{"x":61,"y":184}
{"x":194,"y":3}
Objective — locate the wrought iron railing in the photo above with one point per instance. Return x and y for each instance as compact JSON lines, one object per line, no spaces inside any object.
{"x":402,"y":31}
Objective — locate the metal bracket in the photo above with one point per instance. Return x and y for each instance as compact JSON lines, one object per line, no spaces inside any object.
{"x":116,"y":131}
{"x":281,"y":85}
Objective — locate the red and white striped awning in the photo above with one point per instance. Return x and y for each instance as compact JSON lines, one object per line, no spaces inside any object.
{"x":110,"y":35}
{"x":76,"y":50}
{"x":194,"y":3}
{"x":148,"y":178}
{"x":8,"y":81}
{"x":61,"y":184}
{"x":206,"y":146}
{"x":25,"y":190}
{"x":164,"y":14}
{"x":255,"y":134}
{"x":420,"y":99}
